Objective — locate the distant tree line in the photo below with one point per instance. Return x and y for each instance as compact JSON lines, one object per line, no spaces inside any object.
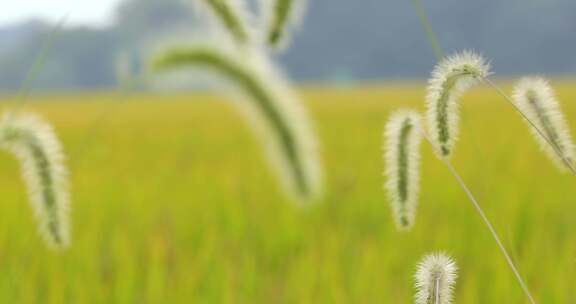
{"x":341,"y":41}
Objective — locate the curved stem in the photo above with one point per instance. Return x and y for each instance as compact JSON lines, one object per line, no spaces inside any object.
{"x":485,"y":219}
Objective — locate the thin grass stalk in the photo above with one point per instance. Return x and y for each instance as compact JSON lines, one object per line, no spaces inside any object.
{"x":438,"y":52}
{"x":484,"y":218}
{"x":270,"y":102}
{"x":34,"y":70}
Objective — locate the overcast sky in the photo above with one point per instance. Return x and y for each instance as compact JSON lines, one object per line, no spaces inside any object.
{"x":80,"y":12}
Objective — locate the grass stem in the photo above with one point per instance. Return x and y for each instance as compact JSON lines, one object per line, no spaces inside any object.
{"x":485,"y":219}
{"x":34,"y":70}
{"x":428,"y":29}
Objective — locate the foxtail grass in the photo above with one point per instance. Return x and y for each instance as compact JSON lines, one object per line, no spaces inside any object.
{"x":537,"y":131}
{"x":34,"y":143}
{"x":435,"y":279}
{"x":535,"y":98}
{"x":450,"y":79}
{"x":232,"y":16}
{"x":402,"y":162}
{"x":443,"y":152}
{"x":282,"y":14}
{"x":266,"y":97}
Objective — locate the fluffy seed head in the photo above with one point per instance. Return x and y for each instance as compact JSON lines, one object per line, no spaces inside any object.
{"x":435,"y":279}
{"x":232,"y":15}
{"x":275,"y":111}
{"x":402,"y":162}
{"x":35,"y":144}
{"x":450,"y":79}
{"x":282,"y":16}
{"x":535,"y":98}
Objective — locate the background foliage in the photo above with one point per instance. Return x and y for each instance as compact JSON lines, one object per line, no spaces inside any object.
{"x":340,"y":42}
{"x":173,"y":203}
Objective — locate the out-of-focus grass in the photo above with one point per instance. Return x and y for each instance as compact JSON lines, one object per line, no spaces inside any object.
{"x":173,"y":203}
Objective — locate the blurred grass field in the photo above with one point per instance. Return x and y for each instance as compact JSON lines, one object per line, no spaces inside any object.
{"x":173,"y":202}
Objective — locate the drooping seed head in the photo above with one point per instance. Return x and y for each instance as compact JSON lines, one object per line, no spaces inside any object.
{"x":402,"y":162}
{"x":266,"y":98}
{"x":34,"y":143}
{"x":535,"y":98}
{"x":450,"y":79}
{"x":232,"y":15}
{"x":435,"y":279}
{"x":282,"y":15}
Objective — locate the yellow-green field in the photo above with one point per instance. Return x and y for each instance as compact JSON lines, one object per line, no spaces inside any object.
{"x":173,"y":202}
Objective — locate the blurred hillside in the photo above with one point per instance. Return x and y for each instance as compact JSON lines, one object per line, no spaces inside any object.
{"x":342,"y":41}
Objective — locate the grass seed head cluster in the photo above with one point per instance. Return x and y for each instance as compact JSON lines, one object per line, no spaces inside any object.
{"x":435,"y":279}
{"x":450,"y":79}
{"x":535,"y":98}
{"x":402,"y":158}
{"x":33,"y":141}
{"x":265,"y":95}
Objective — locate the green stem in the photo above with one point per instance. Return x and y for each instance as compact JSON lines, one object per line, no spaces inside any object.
{"x":428,"y":29}
{"x":34,"y":70}
{"x":485,"y":219}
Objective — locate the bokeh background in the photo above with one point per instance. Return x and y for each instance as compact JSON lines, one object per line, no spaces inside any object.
{"x":341,"y":42}
{"x":173,"y":201}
